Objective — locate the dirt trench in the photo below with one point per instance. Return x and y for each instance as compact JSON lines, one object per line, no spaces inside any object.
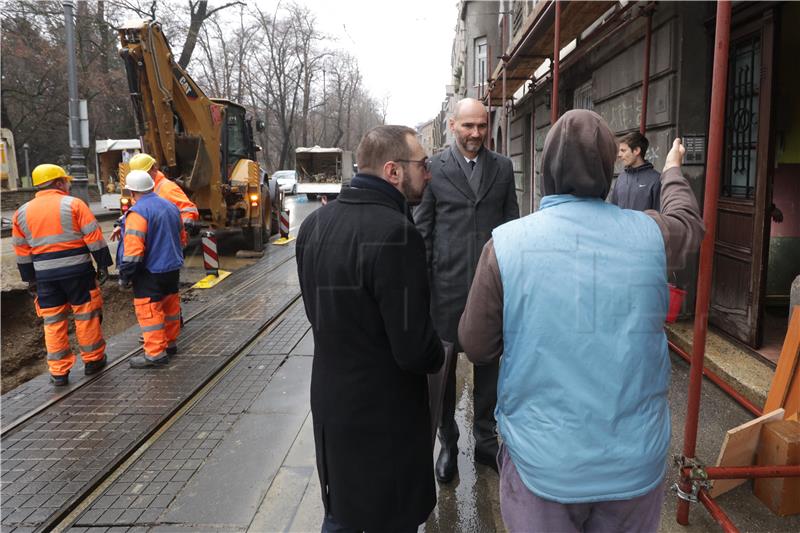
{"x":22,"y":336}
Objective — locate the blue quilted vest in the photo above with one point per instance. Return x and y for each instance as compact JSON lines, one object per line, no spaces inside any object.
{"x":582,"y":393}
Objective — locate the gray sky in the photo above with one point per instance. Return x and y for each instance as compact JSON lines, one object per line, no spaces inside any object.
{"x":403,"y":49}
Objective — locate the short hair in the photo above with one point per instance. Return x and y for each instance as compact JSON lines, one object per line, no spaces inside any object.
{"x":382,"y":144}
{"x":636,"y":140}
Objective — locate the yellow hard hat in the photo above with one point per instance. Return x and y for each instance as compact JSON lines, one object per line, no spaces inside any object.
{"x":142,"y":161}
{"x":47,"y":172}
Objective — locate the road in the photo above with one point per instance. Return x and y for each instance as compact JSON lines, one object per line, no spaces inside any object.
{"x":192,"y":271}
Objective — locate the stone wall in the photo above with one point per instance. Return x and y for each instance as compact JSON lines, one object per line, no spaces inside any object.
{"x":11,"y":200}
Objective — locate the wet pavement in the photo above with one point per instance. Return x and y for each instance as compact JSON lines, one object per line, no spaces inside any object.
{"x":240,"y":456}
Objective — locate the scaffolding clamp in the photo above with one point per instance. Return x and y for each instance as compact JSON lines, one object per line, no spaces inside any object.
{"x":698,"y":478}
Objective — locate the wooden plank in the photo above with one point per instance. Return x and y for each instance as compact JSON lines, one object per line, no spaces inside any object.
{"x":739,"y":449}
{"x":785,"y":387}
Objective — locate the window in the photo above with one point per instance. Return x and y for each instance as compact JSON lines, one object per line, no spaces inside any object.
{"x":582,"y":98}
{"x":480,"y":61}
{"x":741,"y":122}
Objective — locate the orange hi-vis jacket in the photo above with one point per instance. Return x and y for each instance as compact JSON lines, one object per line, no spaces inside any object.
{"x":171,"y":191}
{"x":55,"y":236}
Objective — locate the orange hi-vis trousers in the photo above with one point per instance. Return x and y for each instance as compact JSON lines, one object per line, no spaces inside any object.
{"x":158,"y":309}
{"x":54,"y":300}
{"x":160,"y":322}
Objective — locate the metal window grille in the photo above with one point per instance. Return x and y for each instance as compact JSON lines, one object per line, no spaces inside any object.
{"x":744,"y":83}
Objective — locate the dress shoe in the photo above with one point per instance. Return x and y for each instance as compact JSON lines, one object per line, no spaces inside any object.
{"x":93,"y":367}
{"x":486,"y":458}
{"x":447,"y":464}
{"x":59,"y":381}
{"x":140,"y":361}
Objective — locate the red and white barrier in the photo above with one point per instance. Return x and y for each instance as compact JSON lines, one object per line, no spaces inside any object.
{"x":284,"y":224}
{"x":210,"y":256}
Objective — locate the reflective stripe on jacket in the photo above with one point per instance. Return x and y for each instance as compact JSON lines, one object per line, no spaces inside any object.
{"x":151,"y":238}
{"x":54,"y":235}
{"x":172,"y":192}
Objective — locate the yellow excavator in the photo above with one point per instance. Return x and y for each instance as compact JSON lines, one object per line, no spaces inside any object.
{"x":204,"y":144}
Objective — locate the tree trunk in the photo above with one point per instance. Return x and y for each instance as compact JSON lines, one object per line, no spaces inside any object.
{"x":198,"y":15}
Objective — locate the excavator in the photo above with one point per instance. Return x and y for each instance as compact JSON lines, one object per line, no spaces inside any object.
{"x":203,"y":144}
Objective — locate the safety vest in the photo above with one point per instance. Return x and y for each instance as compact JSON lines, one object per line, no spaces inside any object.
{"x":582,"y":392}
{"x":172,"y":192}
{"x":151,"y":237}
{"x":55,"y":237}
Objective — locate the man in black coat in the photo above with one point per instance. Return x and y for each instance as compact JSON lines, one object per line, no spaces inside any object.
{"x":362,"y":270}
{"x":471,"y":192}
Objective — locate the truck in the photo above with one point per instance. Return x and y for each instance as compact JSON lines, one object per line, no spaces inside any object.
{"x":205,"y":145}
{"x":322,"y":171}
{"x":111,"y":162}
{"x":9,"y":177}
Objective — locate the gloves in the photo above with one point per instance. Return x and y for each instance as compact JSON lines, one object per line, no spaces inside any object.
{"x":124,"y":284}
{"x":102,"y":275}
{"x":32,"y":288}
{"x":191,"y":227}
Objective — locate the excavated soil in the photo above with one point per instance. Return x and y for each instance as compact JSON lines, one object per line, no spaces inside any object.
{"x":22,"y":336}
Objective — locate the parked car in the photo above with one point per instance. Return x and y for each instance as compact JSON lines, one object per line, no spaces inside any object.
{"x":287,"y":180}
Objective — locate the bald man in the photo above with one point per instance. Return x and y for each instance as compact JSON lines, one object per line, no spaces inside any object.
{"x":471,"y":192}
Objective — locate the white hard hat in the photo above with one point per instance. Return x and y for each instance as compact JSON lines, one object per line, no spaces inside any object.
{"x":139,"y":181}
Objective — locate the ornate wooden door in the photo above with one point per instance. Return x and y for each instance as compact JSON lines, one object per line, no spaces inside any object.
{"x":740,"y":256}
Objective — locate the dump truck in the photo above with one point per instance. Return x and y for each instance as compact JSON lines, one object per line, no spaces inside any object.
{"x":322,"y":171}
{"x":111,"y":162}
{"x":204,"y":144}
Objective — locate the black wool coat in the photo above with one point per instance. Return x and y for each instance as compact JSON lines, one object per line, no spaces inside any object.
{"x":455,"y":224}
{"x":361,"y":264}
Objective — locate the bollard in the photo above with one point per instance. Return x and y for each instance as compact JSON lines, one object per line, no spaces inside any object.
{"x":284,"y":224}
{"x":210,"y":257}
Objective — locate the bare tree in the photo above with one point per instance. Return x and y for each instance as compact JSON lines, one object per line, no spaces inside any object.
{"x":198,"y":13}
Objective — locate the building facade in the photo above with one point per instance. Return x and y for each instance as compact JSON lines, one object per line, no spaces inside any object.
{"x":602,"y":67}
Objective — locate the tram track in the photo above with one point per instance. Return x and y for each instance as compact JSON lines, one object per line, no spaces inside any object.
{"x":8,"y":429}
{"x":62,"y":517}
{"x":66,"y":516}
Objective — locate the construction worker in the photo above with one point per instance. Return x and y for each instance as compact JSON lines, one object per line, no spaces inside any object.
{"x":150,"y":260}
{"x":169,"y":190}
{"x":55,"y":237}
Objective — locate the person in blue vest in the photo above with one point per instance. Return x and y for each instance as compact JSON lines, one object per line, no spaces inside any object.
{"x":149,"y":258}
{"x":574,"y":298}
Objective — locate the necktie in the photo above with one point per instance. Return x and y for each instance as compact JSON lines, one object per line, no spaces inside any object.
{"x":474,"y":181}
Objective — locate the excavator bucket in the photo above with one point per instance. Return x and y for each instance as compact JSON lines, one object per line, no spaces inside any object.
{"x":193,"y":162}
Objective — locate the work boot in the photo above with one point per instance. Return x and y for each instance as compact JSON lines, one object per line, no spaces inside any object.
{"x":447,"y":464}
{"x":93,"y":367}
{"x":140,"y":361}
{"x":59,"y":381}
{"x":172,"y":350}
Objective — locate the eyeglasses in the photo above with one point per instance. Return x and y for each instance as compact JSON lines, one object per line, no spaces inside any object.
{"x":425,"y":162}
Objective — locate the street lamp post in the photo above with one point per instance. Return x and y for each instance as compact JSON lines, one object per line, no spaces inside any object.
{"x":25,"y":148}
{"x":77,"y":166}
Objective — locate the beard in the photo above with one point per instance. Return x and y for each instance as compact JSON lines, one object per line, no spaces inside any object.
{"x":413,"y":196}
{"x":468,"y":144}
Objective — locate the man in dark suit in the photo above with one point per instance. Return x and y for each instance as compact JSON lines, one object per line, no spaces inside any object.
{"x":471,"y":192}
{"x":362,"y":270}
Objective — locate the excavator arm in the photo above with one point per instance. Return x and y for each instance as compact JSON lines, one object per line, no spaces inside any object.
{"x":178,"y":124}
